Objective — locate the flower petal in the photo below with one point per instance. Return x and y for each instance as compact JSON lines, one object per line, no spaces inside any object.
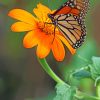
{"x":30,"y":40}
{"x":41,"y":12}
{"x":42,"y":50}
{"x":67,"y":44}
{"x":21,"y":26}
{"x":44,"y":45}
{"x":58,"y":50}
{"x":22,"y":15}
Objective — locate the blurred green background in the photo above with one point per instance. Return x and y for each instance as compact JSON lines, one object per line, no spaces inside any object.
{"x":21,"y":76}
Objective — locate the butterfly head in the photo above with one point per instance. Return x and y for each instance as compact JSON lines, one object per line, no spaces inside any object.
{"x":54,"y":21}
{"x":50,"y":16}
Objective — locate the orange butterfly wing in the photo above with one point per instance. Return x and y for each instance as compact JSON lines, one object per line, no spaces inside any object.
{"x":75,"y":7}
{"x":70,"y":21}
{"x":66,"y":10}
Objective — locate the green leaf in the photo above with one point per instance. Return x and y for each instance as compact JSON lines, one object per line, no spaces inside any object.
{"x":95,"y":69}
{"x":81,"y":73}
{"x":64,"y":92}
{"x":96,"y":63}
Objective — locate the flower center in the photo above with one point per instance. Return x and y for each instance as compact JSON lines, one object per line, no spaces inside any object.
{"x":48,"y":28}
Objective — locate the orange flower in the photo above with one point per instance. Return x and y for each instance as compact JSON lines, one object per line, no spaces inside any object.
{"x":39,"y":33}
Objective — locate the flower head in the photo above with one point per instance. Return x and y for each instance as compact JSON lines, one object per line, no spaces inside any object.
{"x":39,"y":33}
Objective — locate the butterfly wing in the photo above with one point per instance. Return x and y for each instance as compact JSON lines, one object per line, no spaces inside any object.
{"x":83,"y":6}
{"x":75,"y":7}
{"x":70,"y":21}
{"x":73,"y":29}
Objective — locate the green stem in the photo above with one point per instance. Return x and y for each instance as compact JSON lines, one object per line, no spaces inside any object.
{"x":47,"y":68}
{"x":98,"y":89}
{"x":80,"y":95}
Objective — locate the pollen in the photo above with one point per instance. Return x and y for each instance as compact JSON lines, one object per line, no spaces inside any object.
{"x":48,"y":28}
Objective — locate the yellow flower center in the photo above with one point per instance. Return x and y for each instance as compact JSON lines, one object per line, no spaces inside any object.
{"x":48,"y":28}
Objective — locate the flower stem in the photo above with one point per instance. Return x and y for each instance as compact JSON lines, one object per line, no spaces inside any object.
{"x":50,"y":72}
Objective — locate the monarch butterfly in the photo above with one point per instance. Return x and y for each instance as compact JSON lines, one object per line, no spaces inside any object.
{"x":69,"y":19}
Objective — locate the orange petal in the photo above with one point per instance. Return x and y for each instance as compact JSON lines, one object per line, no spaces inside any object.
{"x":42,"y":51}
{"x":58,"y":50}
{"x":22,"y":15}
{"x":71,"y":49}
{"x":43,"y":48}
{"x":30,"y":40}
{"x":21,"y":26}
{"x":41,"y":12}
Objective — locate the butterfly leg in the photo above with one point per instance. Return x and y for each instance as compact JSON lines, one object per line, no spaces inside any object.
{"x":54,"y":34}
{"x":54,"y":30}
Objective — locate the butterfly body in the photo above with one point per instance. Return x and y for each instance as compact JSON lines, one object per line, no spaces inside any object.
{"x":69,"y":19}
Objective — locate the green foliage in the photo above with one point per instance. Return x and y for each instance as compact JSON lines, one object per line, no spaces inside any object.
{"x":95,"y":69}
{"x":90,"y":71}
{"x":79,"y":74}
{"x":64,"y":92}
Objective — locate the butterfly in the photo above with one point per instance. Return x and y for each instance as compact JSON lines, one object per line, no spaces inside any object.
{"x":70,"y":20}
